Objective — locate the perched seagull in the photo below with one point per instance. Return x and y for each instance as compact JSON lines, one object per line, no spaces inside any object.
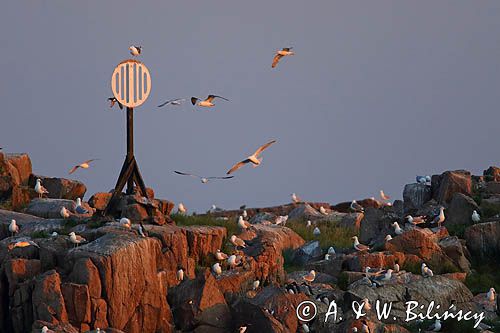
{"x":233,"y":261}
{"x":374,"y":271}
{"x":296,"y":199}
{"x":125,"y":222}
{"x":64,"y":213}
{"x":176,"y":102}
{"x":237,"y":242}
{"x":415,"y":220}
{"x":286,"y":51}
{"x":244,"y":214}
{"x":440,"y":218}
{"x":79,"y":208}
{"x":308,"y":223}
{"x":385,"y":276}
{"x":21,"y":244}
{"x":113,"y":101}
{"x":135,"y":50}
{"x":141,"y":230}
{"x":206,"y":102}
{"x":204,"y":180}
{"x":384,"y":196}
{"x":309,"y":277}
{"x":436,"y":327}
{"x":397,"y":228}
{"x":356,"y":207}
{"x":327,"y":256}
{"x":181,"y":209}
{"x":217,"y":269}
{"x":421,"y":179}
{"x":388,"y":238}
{"x":40,"y":189}
{"x":83,"y":165}
{"x":476,"y":218}
{"x":254,"y":158}
{"x":490,"y":295}
{"x":358,"y":246}
{"x":54,"y":234}
{"x":243,"y":224}
{"x":242,"y":329}
{"x":180,"y":274}
{"x":322,"y":210}
{"x":45,"y":329}
{"x":219,"y":255}
{"x":256,"y":285}
{"x":76,"y":239}
{"x":331,"y":251}
{"x":426,"y":271}
{"x":281,"y":220}
{"x":396,"y":268}
{"x":316,"y":232}
{"x":13,"y":227}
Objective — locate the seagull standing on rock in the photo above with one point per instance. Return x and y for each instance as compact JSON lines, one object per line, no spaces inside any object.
{"x":40,"y":189}
{"x":358,"y":246}
{"x":296,"y":199}
{"x":322,"y":210}
{"x":309,"y":277}
{"x":308,"y":223}
{"x":219,"y":255}
{"x":237,"y":242}
{"x":426,"y":271}
{"x":233,"y":261}
{"x":256,"y":285}
{"x":253,"y":159}
{"x":13,"y":227}
{"x":436,"y":327}
{"x":476,"y":218}
{"x":76,"y":239}
{"x":384,"y":196}
{"x":244,"y":225}
{"x":125,"y":222}
{"x":388,"y":238}
{"x":415,"y":220}
{"x":79,"y":208}
{"x":356,"y":207}
{"x":440,"y":218}
{"x":316,"y":232}
{"x":490,"y":295}
{"x":141,"y":230}
{"x":180,"y":274}
{"x":217,"y":269}
{"x":64,"y":213}
{"x":181,"y":209}
{"x":397,"y":228}
{"x":331,"y":251}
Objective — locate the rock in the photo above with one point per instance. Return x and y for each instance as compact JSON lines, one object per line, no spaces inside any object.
{"x":21,"y":167}
{"x":385,"y":260}
{"x":483,"y":239}
{"x":165,"y":206}
{"x":77,"y":301}
{"x":352,"y":221}
{"x":60,"y":188}
{"x":376,"y":224}
{"x":49,"y":208}
{"x":135,"y":212}
{"x":100,"y":200}
{"x":204,"y":240}
{"x":19,"y":270}
{"x":414,"y":196}
{"x":492,"y":174}
{"x":456,"y":251}
{"x":308,"y":252}
{"x":48,"y":302}
{"x":21,"y":197}
{"x":305,"y":212}
{"x":449,"y":183}
{"x":460,"y":210}
{"x":492,"y":188}
{"x":261,"y":217}
{"x":332,"y":267}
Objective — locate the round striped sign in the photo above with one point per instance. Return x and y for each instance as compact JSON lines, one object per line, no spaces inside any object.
{"x":131,"y":83}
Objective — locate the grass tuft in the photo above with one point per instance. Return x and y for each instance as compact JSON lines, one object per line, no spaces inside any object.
{"x":331,"y":234}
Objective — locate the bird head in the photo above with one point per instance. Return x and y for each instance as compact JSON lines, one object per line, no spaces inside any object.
{"x":72,"y":234}
{"x":13,"y":221}
{"x":38,"y":181}
{"x":78,"y":201}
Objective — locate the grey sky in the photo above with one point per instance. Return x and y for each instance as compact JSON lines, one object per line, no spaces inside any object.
{"x":378,"y":91}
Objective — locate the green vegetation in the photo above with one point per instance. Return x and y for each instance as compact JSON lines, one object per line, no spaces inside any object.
{"x":483,"y":277}
{"x":288,"y":265}
{"x":331,"y":234}
{"x":40,"y":234}
{"x":457,"y":230}
{"x":489,"y":210}
{"x":6,"y":205}
{"x":185,"y":220}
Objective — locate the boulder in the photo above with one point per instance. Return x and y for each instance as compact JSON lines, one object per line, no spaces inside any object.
{"x":449,"y":183}
{"x":261,"y":217}
{"x":304,"y":212}
{"x":204,"y":240}
{"x":15,"y":170}
{"x":456,"y":251}
{"x":306,"y":253}
{"x":49,"y":208}
{"x":492,"y":188}
{"x":77,"y":301}
{"x":60,"y":188}
{"x":21,"y":197}
{"x":460,"y":210}
{"x":376,"y":224}
{"x":100,"y":200}
{"x":19,"y":270}
{"x":352,"y":221}
{"x":48,"y":302}
{"x":414,"y":196}
{"x":483,"y":240}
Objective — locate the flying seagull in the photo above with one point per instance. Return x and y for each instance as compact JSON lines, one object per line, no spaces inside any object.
{"x":384,"y":196}
{"x":286,"y":51}
{"x":176,"y":102}
{"x":254,"y":158}
{"x":113,"y":101}
{"x":135,"y":50}
{"x":206,"y":102}
{"x":83,"y":165}
{"x":204,"y":180}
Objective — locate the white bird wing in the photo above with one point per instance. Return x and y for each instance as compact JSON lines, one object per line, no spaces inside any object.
{"x":276,"y":59}
{"x":263,"y":147}
{"x":187,"y":174}
{"x":237,"y":166}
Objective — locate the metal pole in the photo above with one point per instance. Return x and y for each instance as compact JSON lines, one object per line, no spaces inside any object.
{"x":130,"y":145}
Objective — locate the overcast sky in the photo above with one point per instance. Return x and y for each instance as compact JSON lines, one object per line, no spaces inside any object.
{"x":377,"y":92}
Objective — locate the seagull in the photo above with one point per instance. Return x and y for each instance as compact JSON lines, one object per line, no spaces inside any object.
{"x":79,"y":208}
{"x":322,"y":210}
{"x":141,"y":230}
{"x":388,"y":238}
{"x":415,"y":220}
{"x":286,"y":51}
{"x":176,"y":102}
{"x":384,"y":196}
{"x":181,"y":209}
{"x":204,"y":180}
{"x":54,"y":234}
{"x":397,"y":228}
{"x":296,"y":199}
{"x":374,"y":271}
{"x":242,"y":329}
{"x":331,"y":251}
{"x":237,"y":242}
{"x":76,"y":239}
{"x":309,"y":277}
{"x":13,"y":227}
{"x":21,"y":244}
{"x":83,"y":165}
{"x":45,"y":329}
{"x":242,"y":223}
{"x":64,"y":213}
{"x":305,"y":328}
{"x":356,"y":207}
{"x":426,"y":271}
{"x":440,"y":218}
{"x":385,"y":276}
{"x":436,"y":327}
{"x":256,"y":285}
{"x":316,"y":232}
{"x":308,"y":223}
{"x":254,"y":158}
{"x":421,"y":179}
{"x":135,"y":50}
{"x":327,"y":256}
{"x":354,"y":330}
{"x":125,"y":222}
{"x":358,"y":246}
{"x":233,"y":261}
{"x":476,"y":218}
{"x":40,"y":189}
{"x":113,"y":101}
{"x":281,"y":220}
{"x":217,"y":269}
{"x":396,"y":268}
{"x":490,"y":295}
{"x":206,"y":102}
{"x":219,"y":255}
{"x":245,"y":214}
{"x":180,"y":274}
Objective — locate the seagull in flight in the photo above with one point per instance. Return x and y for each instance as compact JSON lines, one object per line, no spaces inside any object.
{"x":204,"y":180}
{"x":286,"y":51}
{"x":113,"y":101}
{"x":254,"y":158}
{"x":83,"y":165}
{"x":135,"y":50}
{"x":176,"y":102}
{"x":206,"y":102}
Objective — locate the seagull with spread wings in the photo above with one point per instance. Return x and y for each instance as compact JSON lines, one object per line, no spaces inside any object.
{"x":286,"y":51}
{"x":83,"y":165}
{"x":113,"y":101}
{"x":206,"y":102}
{"x":254,"y":158}
{"x":204,"y":180}
{"x":176,"y":102}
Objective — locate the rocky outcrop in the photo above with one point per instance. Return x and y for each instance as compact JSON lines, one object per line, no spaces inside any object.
{"x":15,"y":170}
{"x":414,"y":196}
{"x":460,"y":210}
{"x":60,"y":188}
{"x":483,"y":239}
{"x":449,"y":183}
{"x":307,"y":252}
{"x":376,"y":224}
